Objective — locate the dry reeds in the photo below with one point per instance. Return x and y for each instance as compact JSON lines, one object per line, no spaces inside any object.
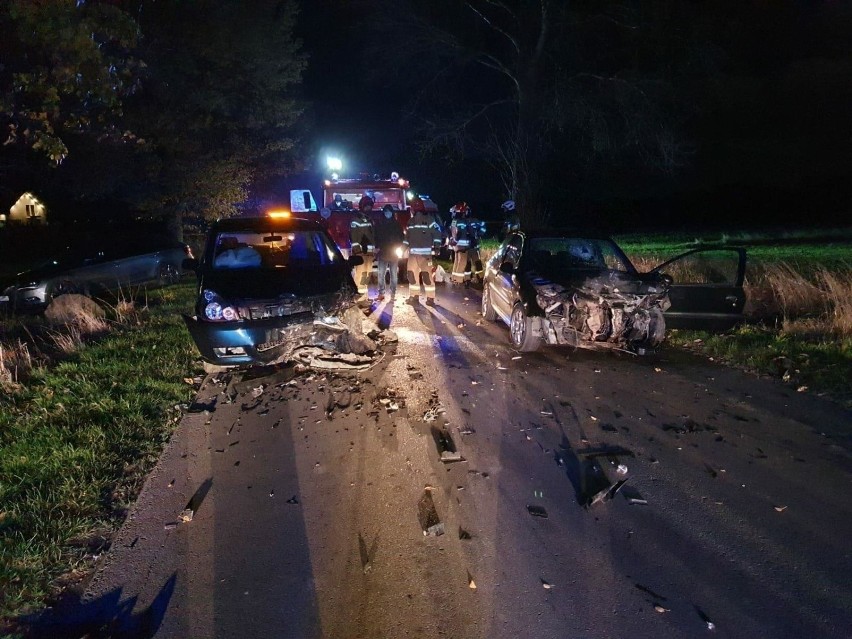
{"x":15,"y":363}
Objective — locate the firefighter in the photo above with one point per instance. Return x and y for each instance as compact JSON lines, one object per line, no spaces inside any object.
{"x":422,"y":239}
{"x":465,"y":233}
{"x":389,"y":240}
{"x":361,"y":236}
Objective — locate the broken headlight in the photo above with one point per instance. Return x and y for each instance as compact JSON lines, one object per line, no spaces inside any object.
{"x":217,"y":310}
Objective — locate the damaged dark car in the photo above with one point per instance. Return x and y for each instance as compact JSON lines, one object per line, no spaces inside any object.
{"x":266,"y":287}
{"x":581,"y":290}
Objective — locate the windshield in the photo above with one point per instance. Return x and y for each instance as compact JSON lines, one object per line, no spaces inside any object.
{"x":274,"y":250}
{"x":560,"y":253}
{"x":351,"y":196}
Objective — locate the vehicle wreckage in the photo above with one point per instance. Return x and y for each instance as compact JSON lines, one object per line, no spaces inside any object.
{"x":573,"y":290}
{"x":272,"y":289}
{"x":607,"y":310}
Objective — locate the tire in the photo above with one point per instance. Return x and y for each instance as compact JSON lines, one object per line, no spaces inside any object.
{"x":167,"y":274}
{"x":488,"y":312}
{"x":520,"y":331}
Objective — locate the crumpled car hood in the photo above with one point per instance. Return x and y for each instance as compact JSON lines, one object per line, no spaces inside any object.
{"x":597,"y":308}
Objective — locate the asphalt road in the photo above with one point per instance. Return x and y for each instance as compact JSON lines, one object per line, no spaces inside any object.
{"x":310,"y":501}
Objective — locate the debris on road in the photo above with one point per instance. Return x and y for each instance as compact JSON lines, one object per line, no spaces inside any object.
{"x":607,"y":493}
{"x":427,"y":515}
{"x":780,"y":509}
{"x":446,"y":446}
{"x":660,"y":609}
{"x":536,"y":511}
{"x":257,"y":391}
{"x":621,"y":469}
{"x":546,"y":584}
{"x":470,"y":582}
{"x":186,"y":515}
{"x":464,"y":535}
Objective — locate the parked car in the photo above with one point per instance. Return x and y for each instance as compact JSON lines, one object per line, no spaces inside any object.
{"x":582,"y":290}
{"x":264,"y":286}
{"x":98,"y":266}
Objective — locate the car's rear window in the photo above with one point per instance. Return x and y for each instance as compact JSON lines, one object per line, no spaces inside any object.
{"x":560,"y":253}
{"x":273,"y":250}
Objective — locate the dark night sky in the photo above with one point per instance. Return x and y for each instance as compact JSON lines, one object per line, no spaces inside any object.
{"x":775,"y":130}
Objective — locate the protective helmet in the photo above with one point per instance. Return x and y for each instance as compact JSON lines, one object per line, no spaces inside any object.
{"x":508,"y":205}
{"x":418,"y":206}
{"x":365,"y":201}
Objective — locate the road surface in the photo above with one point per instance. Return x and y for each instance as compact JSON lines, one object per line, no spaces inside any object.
{"x":311,"y":502}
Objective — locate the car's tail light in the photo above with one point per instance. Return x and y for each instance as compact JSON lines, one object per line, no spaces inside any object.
{"x":217,"y":310}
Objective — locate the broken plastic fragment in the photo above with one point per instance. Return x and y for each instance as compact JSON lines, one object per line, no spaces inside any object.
{"x":470,"y":582}
{"x":780,"y":509}
{"x":621,"y":469}
{"x":186,"y":515}
{"x":660,"y":609}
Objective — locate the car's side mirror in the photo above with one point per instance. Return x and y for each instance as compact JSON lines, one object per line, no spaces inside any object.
{"x":356,"y":260}
{"x":189,"y":264}
{"x":508,"y":268}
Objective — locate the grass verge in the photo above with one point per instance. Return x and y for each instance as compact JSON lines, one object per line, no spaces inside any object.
{"x":77,"y":437}
{"x":799,"y":304}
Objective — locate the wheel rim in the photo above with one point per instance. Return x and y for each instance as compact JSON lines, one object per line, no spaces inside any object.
{"x":518,"y":327}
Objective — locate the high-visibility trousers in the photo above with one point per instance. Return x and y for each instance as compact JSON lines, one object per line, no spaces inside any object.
{"x":474,"y":264}
{"x":420,"y":266}
{"x":362,"y":273}
{"x":461,"y":271}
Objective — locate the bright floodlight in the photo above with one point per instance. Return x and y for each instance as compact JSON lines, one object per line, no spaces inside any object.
{"x":334,"y":164}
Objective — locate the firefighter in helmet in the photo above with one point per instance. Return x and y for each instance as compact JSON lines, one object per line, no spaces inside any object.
{"x":465,"y":234}
{"x":361,"y":236}
{"x":422,"y":239}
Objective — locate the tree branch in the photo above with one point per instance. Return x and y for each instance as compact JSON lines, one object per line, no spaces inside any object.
{"x":485,"y":19}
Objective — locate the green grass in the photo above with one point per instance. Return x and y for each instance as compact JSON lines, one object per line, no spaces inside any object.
{"x":76,"y":440}
{"x":819,"y":357}
{"x":810,"y":363}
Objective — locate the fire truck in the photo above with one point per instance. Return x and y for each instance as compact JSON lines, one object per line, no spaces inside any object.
{"x":383,"y":191}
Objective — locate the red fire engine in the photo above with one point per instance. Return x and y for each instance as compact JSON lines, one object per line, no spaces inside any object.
{"x":345,"y":193}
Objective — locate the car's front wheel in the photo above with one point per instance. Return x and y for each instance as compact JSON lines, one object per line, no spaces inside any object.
{"x":488,"y":311}
{"x":521,"y":331}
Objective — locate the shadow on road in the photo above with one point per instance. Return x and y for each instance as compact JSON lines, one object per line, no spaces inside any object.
{"x":104,"y":617}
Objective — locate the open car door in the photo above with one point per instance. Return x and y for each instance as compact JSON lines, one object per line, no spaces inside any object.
{"x":707,"y":292}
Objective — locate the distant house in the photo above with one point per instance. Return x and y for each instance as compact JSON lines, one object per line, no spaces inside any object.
{"x":27,"y":210}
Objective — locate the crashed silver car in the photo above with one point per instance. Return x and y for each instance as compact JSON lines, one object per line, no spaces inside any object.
{"x":268,"y":286}
{"x":575,"y":290}
{"x":581,"y":290}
